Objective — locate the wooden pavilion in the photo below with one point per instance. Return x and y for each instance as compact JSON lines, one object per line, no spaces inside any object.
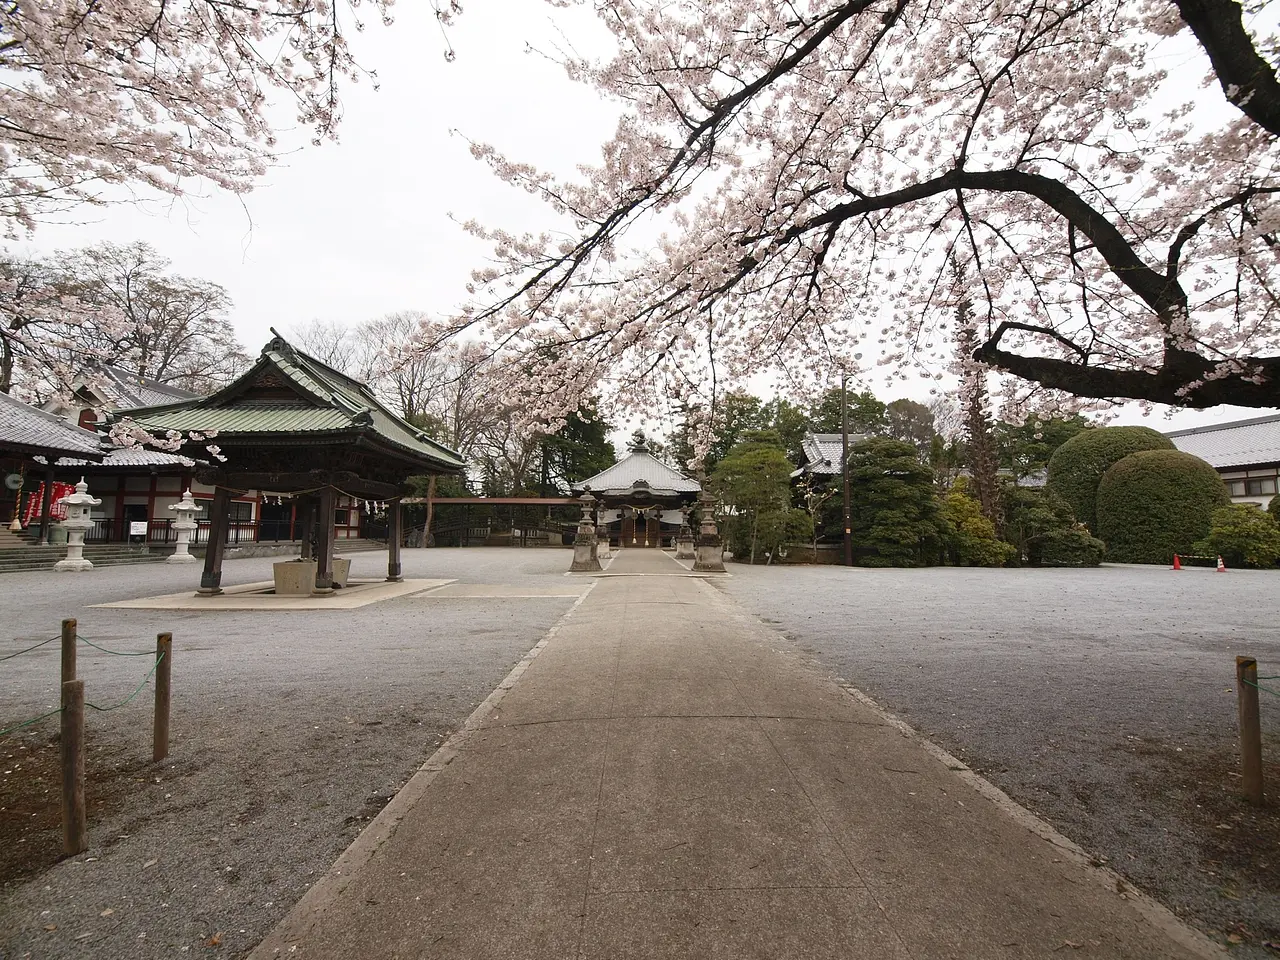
{"x":296,"y":428}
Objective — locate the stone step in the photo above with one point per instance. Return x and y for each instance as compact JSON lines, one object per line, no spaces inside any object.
{"x":16,"y":566}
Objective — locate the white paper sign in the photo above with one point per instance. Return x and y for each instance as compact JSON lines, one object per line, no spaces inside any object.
{"x":137,"y":528}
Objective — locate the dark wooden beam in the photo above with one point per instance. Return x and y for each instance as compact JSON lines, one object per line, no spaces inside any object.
{"x":324,"y":542}
{"x":219,"y":517}
{"x":394,"y":535}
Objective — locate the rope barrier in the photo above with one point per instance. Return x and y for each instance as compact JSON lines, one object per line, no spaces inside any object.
{"x":10,"y":656}
{"x":137,"y":690}
{"x":116,"y":653}
{"x":1258,"y":686}
{"x":27,"y":723}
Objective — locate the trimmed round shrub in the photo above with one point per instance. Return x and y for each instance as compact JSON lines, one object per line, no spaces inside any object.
{"x":1273,"y":508}
{"x":1244,"y":536}
{"x":1076,"y":467}
{"x":1065,"y":547}
{"x":1156,"y":503}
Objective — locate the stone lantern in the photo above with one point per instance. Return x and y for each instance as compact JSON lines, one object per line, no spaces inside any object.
{"x":77,"y":525}
{"x":603,"y":551}
{"x":684,"y":540}
{"x":709,"y":550}
{"x":584,"y":544}
{"x":185,"y":525}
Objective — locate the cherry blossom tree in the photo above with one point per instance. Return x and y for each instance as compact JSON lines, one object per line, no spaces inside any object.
{"x":163,"y":94}
{"x":789,"y":184}
{"x":61,"y":315}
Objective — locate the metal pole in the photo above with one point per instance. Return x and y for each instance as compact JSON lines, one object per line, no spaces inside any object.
{"x":844,"y":467}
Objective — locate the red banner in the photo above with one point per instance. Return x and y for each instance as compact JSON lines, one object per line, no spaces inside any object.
{"x":57,"y":511}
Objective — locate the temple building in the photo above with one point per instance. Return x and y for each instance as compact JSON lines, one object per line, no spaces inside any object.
{"x":641,"y":500}
{"x":309,"y":442}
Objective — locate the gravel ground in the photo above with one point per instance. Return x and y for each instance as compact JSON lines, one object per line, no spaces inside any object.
{"x":290,"y":732}
{"x":1102,"y":699}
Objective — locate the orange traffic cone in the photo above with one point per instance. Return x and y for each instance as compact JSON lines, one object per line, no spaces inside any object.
{"x":1222,"y":567}
{"x":1177,"y":564}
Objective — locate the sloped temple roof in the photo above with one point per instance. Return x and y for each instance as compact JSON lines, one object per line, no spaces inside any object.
{"x":824,"y":451}
{"x":639,"y":470}
{"x":31,"y":432}
{"x":288,"y":399}
{"x":127,"y":390}
{"x":1245,"y":443}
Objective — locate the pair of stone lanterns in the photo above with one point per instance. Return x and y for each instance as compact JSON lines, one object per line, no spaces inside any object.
{"x":78,"y":523}
{"x":707,"y":551}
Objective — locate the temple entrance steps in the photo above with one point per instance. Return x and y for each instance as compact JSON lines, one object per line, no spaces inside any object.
{"x":33,"y":557}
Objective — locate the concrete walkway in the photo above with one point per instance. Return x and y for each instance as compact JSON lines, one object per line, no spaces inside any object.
{"x":665,"y":779}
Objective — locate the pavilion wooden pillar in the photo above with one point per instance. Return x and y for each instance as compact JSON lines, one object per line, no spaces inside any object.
{"x":324,"y":542}
{"x":306,"y":520}
{"x":219,"y":520}
{"x":46,"y":504}
{"x":394,"y":536}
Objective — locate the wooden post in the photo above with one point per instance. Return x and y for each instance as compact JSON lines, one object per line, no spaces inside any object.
{"x":324,"y":542}
{"x":75,"y":837}
{"x":1250,"y":728}
{"x":160,"y":723}
{"x":68,"y":650}
{"x":307,"y":524}
{"x":394,"y":536}
{"x":219,"y":520}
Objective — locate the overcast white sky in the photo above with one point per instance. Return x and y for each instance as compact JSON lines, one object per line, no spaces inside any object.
{"x":356,"y":229}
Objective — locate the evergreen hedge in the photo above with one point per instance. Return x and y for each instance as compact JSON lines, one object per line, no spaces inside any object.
{"x":1273,"y":508}
{"x":1156,"y":503}
{"x":1065,"y":547}
{"x":1076,"y":467}
{"x":1244,"y":536}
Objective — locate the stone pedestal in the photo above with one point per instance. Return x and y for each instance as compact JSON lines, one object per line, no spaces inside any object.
{"x":185,"y":525}
{"x":294,"y":578}
{"x":684,"y":540}
{"x":341,"y":570}
{"x":708,"y":550}
{"x":585,"y":547}
{"x":76,"y":525}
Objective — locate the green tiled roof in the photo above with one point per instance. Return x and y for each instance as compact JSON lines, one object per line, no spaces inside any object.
{"x":322,"y":404}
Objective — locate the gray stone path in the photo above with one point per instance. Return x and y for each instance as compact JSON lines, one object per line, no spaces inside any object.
{"x":663,"y":781}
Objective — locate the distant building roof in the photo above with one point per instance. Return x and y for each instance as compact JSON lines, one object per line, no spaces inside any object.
{"x":639,"y":470}
{"x":291,"y":396}
{"x":29,"y":431}
{"x":131,"y":457}
{"x":1244,"y":443}
{"x":121,"y":389}
{"x":823,"y":453}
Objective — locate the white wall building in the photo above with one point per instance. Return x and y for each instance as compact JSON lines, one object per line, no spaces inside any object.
{"x":1246,"y":453}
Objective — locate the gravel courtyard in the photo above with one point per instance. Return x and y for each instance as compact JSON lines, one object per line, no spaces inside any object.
{"x":290,"y":731}
{"x":1102,"y":699}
